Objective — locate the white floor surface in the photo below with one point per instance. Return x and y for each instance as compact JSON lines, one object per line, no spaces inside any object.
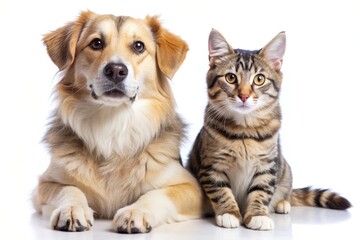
{"x":302,"y":223}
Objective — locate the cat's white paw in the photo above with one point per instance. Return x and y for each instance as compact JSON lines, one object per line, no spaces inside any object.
{"x":260,"y":223}
{"x":227,"y":221}
{"x":283,"y":207}
{"x":130,"y":220}
{"x":72,"y":218}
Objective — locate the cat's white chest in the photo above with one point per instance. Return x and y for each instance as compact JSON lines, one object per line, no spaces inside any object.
{"x":240,"y":178}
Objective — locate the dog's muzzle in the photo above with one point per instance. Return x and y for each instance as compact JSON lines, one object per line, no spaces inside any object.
{"x":113,"y":84}
{"x":115,"y":72}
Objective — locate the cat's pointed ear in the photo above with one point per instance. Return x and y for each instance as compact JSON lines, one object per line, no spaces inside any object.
{"x":274,"y":51}
{"x":218,"y":46}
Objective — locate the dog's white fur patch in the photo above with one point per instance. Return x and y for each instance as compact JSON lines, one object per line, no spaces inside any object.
{"x":124,"y":130}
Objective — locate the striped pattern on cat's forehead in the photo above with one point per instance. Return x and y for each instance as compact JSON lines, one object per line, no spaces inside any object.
{"x":245,"y":60}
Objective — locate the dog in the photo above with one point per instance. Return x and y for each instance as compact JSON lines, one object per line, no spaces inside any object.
{"x":114,"y":136}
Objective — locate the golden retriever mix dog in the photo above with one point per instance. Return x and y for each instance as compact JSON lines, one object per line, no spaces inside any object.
{"x":114,"y":137}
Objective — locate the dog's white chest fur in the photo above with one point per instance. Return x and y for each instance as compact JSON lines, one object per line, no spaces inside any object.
{"x":107,"y":130}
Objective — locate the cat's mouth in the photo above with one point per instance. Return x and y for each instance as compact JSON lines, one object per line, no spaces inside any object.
{"x":243,"y":108}
{"x":243,"y":105}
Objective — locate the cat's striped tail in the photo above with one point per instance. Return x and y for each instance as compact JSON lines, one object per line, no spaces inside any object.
{"x":318,"y":198}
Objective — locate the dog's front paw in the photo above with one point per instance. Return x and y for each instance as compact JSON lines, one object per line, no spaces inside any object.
{"x":228,"y":220}
{"x":72,"y":218}
{"x":259,"y":223}
{"x":129,"y":220}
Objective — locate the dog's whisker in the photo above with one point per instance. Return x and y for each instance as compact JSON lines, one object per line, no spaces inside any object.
{"x":92,"y":92}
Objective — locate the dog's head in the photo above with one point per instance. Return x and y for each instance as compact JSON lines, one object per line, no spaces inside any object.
{"x":113,"y":60}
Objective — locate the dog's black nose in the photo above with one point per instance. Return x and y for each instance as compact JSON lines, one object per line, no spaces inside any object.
{"x":115,"y":72}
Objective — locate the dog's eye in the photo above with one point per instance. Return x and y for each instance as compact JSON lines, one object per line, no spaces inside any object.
{"x":96,"y":44}
{"x":138,"y":47}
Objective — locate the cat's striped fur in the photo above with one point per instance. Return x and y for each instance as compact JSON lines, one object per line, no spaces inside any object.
{"x":236,"y":156}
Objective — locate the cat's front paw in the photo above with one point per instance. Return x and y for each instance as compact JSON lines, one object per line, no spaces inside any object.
{"x":259,"y":223}
{"x":72,"y":218}
{"x":129,"y":220}
{"x":227,"y":220}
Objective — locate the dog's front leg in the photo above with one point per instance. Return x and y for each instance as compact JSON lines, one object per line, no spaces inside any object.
{"x":67,"y":206}
{"x":170,"y":204}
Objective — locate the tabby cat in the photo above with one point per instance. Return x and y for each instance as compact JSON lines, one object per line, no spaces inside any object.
{"x":236,"y":156}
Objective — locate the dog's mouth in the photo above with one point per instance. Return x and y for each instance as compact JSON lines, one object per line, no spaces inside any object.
{"x":114,"y":93}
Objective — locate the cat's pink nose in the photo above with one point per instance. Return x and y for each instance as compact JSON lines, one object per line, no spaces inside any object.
{"x":244,"y":97}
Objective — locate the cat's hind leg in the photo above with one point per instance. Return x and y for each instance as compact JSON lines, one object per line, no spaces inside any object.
{"x":283,"y":207}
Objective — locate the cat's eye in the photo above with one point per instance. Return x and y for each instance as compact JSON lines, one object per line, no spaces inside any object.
{"x":259,"y":79}
{"x":231,"y":78}
{"x":97,"y":44}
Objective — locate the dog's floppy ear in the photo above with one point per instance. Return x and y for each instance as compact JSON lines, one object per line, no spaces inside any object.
{"x":61,"y":43}
{"x":170,"y":49}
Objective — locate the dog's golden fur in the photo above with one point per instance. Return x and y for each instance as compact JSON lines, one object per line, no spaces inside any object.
{"x":114,"y":139}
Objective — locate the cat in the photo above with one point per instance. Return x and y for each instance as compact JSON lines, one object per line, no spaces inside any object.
{"x":236,"y":156}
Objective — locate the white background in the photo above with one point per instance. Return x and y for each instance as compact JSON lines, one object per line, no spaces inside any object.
{"x":320,"y":92}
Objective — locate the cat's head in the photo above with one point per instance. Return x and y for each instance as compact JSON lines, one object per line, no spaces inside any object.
{"x":242,"y":82}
